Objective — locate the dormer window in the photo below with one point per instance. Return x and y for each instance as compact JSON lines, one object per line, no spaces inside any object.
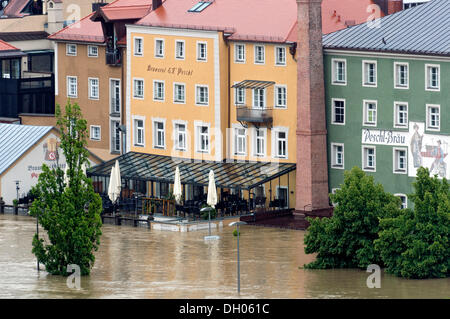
{"x":200,"y":6}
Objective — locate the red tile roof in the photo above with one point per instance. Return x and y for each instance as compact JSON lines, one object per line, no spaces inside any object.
{"x":255,"y":20}
{"x":87,"y":30}
{"x":124,"y":13}
{"x":5,"y":46}
{"x":84,"y":30}
{"x":251,"y":20}
{"x":14,"y":8}
{"x":338,"y":14}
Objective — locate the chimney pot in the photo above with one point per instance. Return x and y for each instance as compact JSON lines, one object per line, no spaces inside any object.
{"x":156,"y":4}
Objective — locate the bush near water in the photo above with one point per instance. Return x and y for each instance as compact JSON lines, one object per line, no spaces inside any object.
{"x":345,"y":240}
{"x":368,"y":227}
{"x":415,"y":244}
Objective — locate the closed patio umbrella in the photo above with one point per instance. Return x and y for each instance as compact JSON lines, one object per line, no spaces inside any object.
{"x":112,"y":194}
{"x":212,"y":192}
{"x":118,"y":179}
{"x":112,"y":185}
{"x":177,"y":192}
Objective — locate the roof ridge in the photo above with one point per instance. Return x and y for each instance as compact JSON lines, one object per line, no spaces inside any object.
{"x":70,"y":25}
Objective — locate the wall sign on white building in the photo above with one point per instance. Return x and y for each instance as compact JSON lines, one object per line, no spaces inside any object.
{"x":384,"y":137}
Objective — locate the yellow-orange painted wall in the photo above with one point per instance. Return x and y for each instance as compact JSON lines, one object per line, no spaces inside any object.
{"x":269,"y":71}
{"x":96,"y":112}
{"x":171,"y":70}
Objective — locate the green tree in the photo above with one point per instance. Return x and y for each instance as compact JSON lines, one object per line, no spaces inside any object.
{"x":345,"y":240}
{"x":69,"y":212}
{"x":416,"y":243}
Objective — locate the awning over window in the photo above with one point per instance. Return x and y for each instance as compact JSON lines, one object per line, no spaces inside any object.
{"x":253,"y":84}
{"x":158,"y":168}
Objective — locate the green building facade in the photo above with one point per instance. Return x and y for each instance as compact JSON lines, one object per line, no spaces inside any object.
{"x":388,"y":108}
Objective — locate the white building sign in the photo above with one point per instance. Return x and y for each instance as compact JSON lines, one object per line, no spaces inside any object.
{"x":385,"y":137}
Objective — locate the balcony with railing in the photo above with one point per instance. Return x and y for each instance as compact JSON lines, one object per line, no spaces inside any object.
{"x":113,"y":57}
{"x":254,"y":115}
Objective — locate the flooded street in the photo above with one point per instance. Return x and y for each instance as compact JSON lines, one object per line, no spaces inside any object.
{"x":141,"y":263}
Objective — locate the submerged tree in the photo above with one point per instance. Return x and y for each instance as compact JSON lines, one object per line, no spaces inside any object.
{"x":416,"y":243}
{"x":67,"y":207}
{"x":345,"y":240}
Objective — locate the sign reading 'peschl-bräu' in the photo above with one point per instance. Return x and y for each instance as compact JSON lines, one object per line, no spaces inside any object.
{"x":384,"y":137}
{"x":172,"y":70}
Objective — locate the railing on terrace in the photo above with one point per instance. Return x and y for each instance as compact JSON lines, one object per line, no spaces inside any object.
{"x":254,"y":115}
{"x":113,"y":58}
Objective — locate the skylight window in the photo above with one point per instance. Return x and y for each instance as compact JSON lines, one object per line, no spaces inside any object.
{"x":199,"y":7}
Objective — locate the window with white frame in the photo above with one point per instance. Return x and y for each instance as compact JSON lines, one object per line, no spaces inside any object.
{"x":337,"y":155}
{"x":239,"y":53}
{"x":339,"y":71}
{"x":179,"y":93}
{"x":370,"y":113}
{"x":139,"y":132}
{"x":401,"y":114}
{"x":179,"y":49}
{"x":280,"y":55}
{"x":369,"y":158}
{"x":115,"y":136}
{"x":92,"y":51}
{"x":401,"y":75}
{"x":72,"y":86}
{"x":400,"y":160}
{"x":95,"y":132}
{"x":158,"y":135}
{"x":180,"y":137}
{"x":239,"y":96}
{"x":369,"y":73}
{"x":201,"y":51}
{"x":403,"y":200}
{"x":71,"y":49}
{"x":138,"y":88}
{"x":432,"y":77}
{"x":201,"y":96}
{"x":203,"y":139}
{"x":115,"y":97}
{"x":159,"y":48}
{"x":280,"y":144}
{"x":433,"y":117}
{"x":338,"y":111}
{"x":259,"y":54}
{"x":260,"y":142}
{"x":93,"y":88}
{"x":259,"y":98}
{"x":138,"y":46}
{"x":281,"y":96}
{"x":240,"y":141}
{"x":158,"y":90}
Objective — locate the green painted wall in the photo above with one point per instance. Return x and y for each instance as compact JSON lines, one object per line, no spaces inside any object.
{"x":351,"y":133}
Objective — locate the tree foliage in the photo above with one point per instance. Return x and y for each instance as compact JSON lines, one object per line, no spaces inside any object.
{"x":416,"y":243}
{"x":345,"y":240}
{"x":68,"y":211}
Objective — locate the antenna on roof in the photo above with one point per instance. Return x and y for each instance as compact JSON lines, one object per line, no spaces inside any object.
{"x":383,"y":40}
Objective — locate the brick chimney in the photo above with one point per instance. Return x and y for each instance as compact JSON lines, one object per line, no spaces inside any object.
{"x":394,"y":6}
{"x":156,"y":4}
{"x":312,"y":170}
{"x":389,"y":6}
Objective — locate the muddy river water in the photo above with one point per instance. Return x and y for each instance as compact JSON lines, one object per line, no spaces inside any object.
{"x":141,"y":263}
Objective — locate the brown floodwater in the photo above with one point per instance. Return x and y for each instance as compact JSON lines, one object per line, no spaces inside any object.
{"x":142,"y":263}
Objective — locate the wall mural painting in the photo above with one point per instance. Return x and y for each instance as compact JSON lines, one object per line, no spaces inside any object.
{"x":424,"y":149}
{"x":428,"y":150}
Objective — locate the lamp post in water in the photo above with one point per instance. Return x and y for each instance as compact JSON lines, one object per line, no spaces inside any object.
{"x":209,"y":210}
{"x":238,"y":261}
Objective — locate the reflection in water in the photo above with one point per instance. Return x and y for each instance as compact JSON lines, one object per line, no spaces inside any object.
{"x":141,"y":263}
